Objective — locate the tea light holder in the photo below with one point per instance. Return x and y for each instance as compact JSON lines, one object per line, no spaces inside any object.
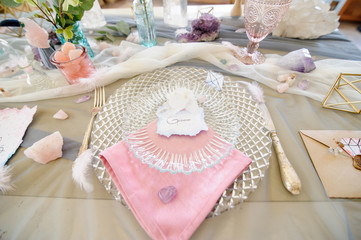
{"x":73,"y":70}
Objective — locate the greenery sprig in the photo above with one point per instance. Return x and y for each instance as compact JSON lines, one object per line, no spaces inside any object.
{"x":61,"y":14}
{"x":120,"y":27}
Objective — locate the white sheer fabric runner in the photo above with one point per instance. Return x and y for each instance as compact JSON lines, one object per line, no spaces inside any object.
{"x":135,"y":59}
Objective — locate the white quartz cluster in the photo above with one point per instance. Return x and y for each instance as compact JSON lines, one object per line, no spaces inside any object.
{"x":307,"y":19}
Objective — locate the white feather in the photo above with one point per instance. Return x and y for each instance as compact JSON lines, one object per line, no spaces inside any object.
{"x":96,"y":79}
{"x":256,"y":92}
{"x":5,"y":179}
{"x":81,"y":170}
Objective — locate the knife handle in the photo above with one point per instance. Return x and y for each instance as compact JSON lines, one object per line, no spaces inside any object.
{"x":289,"y":176}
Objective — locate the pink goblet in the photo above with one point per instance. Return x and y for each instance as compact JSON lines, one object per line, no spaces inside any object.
{"x":260,"y":18}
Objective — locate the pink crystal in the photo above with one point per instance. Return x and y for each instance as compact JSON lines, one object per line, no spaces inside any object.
{"x":73,"y":54}
{"x":103,"y":45}
{"x":60,"y":115}
{"x":83,"y":99}
{"x":35,"y":35}
{"x":46,"y":149}
{"x":61,"y":57}
{"x":67,"y":47}
{"x":281,"y":88}
{"x":304,"y":84}
{"x":166,"y":194}
{"x":115,"y":53}
{"x":283,"y":77}
{"x":234,"y":68}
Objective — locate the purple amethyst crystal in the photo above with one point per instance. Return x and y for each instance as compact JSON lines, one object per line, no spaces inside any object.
{"x":36,"y":53}
{"x":205,"y":28}
{"x":166,"y":194}
{"x":299,"y":60}
{"x":304,"y":84}
{"x":206,"y":23}
{"x":187,"y":37}
{"x":54,"y":38}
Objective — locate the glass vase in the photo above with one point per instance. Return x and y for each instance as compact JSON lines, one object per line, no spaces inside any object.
{"x":73,"y":70}
{"x":79,"y":38}
{"x":144,"y":17}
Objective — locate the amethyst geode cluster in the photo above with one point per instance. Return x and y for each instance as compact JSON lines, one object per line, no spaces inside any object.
{"x":299,"y":60}
{"x":205,"y":28}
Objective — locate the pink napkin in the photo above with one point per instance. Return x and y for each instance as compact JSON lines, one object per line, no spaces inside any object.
{"x":196,"y":195}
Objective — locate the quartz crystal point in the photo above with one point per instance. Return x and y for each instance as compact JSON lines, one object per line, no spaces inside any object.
{"x":307,"y":19}
{"x":298,"y":60}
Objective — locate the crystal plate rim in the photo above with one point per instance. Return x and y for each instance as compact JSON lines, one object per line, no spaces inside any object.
{"x":254,"y":140}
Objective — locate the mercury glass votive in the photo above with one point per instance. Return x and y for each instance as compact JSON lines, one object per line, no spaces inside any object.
{"x":74,"y":69}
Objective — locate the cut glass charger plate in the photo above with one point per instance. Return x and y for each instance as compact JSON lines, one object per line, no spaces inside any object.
{"x":180,"y":154}
{"x":252,"y":137}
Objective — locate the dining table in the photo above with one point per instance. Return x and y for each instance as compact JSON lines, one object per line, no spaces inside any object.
{"x":45,"y":203}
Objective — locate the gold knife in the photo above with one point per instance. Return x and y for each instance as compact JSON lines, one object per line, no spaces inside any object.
{"x":290,"y":179}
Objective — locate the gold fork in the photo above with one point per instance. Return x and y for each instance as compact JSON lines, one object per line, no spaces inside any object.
{"x":99,"y":101}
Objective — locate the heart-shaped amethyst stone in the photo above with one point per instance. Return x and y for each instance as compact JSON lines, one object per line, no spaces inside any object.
{"x":166,"y":194}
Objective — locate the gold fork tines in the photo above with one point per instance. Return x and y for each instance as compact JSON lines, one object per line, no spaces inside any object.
{"x":99,"y":101}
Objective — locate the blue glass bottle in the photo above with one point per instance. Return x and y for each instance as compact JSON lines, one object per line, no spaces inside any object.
{"x":144,"y":16}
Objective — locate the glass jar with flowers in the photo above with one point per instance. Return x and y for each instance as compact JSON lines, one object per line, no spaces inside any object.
{"x":144,"y":17}
{"x":64,"y":16}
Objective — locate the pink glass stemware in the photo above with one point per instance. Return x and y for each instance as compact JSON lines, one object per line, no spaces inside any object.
{"x":260,"y":18}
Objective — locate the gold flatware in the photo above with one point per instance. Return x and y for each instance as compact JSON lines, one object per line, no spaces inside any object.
{"x":99,"y":101}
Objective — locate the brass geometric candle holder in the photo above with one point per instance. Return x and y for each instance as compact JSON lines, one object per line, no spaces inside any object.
{"x":345,"y":94}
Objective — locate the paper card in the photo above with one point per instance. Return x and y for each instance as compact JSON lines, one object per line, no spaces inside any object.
{"x":180,"y":114}
{"x":13,"y":124}
{"x":181,"y":123}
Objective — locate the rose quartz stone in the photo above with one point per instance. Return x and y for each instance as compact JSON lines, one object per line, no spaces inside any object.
{"x":35,"y":35}
{"x":61,"y":57}
{"x":283,"y":87}
{"x":67,"y":47}
{"x":83,"y":99}
{"x":60,"y":115}
{"x":46,"y":149}
{"x":103,"y":45}
{"x":73,"y":54}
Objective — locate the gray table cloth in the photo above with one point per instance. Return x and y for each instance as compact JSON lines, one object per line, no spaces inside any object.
{"x":46,"y":204}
